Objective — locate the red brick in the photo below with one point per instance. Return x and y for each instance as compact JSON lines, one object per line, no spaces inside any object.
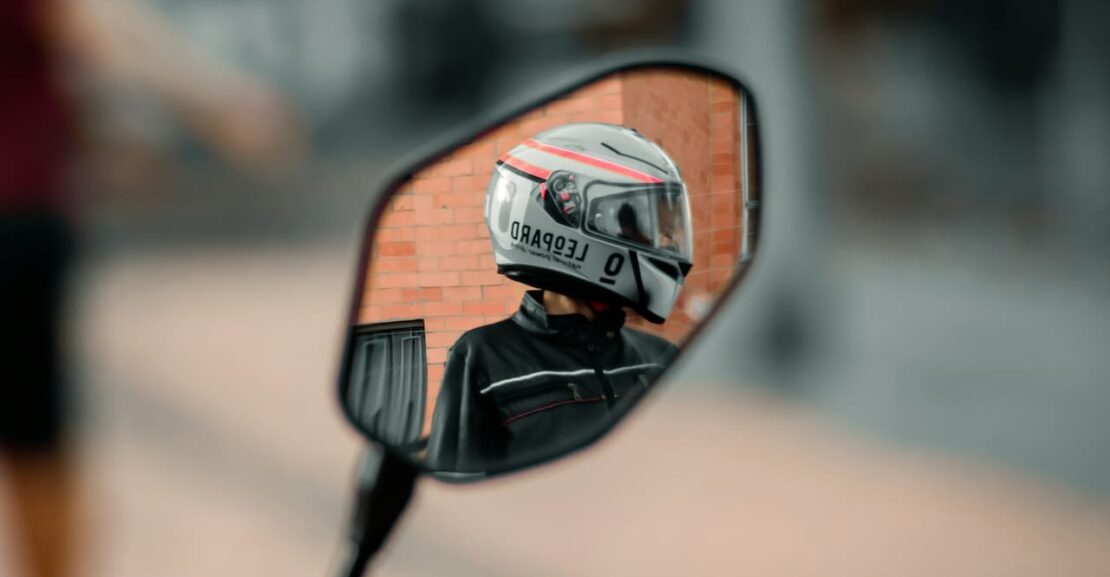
{"x":440,"y":279}
{"x":393,"y":235}
{"x":479,"y":278}
{"x":610,"y":102}
{"x":701,"y":213}
{"x":722,"y":91}
{"x":703,"y":250}
{"x":433,"y":323}
{"x":427,"y":264}
{"x":511,"y":291}
{"x":427,"y":232}
{"x":435,"y":374}
{"x":726,"y":202}
{"x":440,"y":309}
{"x":729,"y":116}
{"x":437,"y":355}
{"x":611,"y":85}
{"x":474,"y":246}
{"x":457,"y":199}
{"x":462,"y":293}
{"x":720,"y":278}
{"x":504,"y":145}
{"x":371,"y":270}
{"x":396,"y":219}
{"x":505,"y":132}
{"x":724,"y":241}
{"x":394,"y":264}
{"x":724,"y":218}
{"x":456,"y":232}
{"x":423,"y":202}
{"x":726,"y":106}
{"x":481,"y":152}
{"x":723,"y":260}
{"x":450,"y":166}
{"x":421,"y":294}
{"x":433,"y":216}
{"x":483,"y":308}
{"x":369,"y":314}
{"x":397,"y":249}
{"x":474,"y":185}
{"x":441,"y":339}
{"x":436,"y":247}
{"x":472,"y":148}
{"x":401,"y":311}
{"x":425,"y":185}
{"x":610,"y":116}
{"x":703,"y":256}
{"x":469,"y":214}
{"x":573,"y":103}
{"x":396,"y":280}
{"x":400,"y":202}
{"x":725,"y":160}
{"x":380,"y":296}
{"x":724,"y":144}
{"x":533,"y":114}
{"x":459,"y":263}
{"x":531,"y":128}
{"x":698,"y":280}
{"x":464,"y":323}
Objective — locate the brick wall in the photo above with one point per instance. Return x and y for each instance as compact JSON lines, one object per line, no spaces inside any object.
{"x":432,"y":258}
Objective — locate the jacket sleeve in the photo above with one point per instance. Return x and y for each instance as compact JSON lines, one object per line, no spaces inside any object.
{"x":464,"y":436}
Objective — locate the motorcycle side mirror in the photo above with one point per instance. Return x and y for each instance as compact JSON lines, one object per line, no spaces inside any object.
{"x":522,"y":291}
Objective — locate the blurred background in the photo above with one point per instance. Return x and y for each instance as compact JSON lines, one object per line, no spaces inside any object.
{"x":914,"y":381}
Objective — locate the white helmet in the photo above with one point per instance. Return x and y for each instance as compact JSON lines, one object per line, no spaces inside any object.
{"x":593,"y":211}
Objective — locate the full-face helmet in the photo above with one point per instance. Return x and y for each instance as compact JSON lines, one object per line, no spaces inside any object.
{"x":593,"y":211}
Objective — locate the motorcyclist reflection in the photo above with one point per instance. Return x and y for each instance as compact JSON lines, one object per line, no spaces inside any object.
{"x":564,"y":366}
{"x":630,"y":228}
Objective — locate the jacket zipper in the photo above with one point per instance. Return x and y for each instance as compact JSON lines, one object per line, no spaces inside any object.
{"x":606,"y":387}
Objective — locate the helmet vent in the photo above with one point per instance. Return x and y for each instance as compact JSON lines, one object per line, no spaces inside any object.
{"x":636,"y":158}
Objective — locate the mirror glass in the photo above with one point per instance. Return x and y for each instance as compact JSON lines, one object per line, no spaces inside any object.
{"x":523,"y":292}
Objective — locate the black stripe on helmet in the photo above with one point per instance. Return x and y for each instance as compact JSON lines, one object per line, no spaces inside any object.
{"x":519,"y":172}
{"x":634,"y":260}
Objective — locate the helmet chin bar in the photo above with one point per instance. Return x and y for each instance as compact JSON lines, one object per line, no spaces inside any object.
{"x":545,"y":279}
{"x":634,"y":262}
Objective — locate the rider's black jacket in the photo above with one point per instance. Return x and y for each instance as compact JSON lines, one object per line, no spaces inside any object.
{"x":524,"y":386}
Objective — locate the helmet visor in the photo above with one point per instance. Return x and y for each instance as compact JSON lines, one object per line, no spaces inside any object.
{"x":655,"y":217}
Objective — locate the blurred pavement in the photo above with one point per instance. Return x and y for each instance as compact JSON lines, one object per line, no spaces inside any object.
{"x":215,"y":447}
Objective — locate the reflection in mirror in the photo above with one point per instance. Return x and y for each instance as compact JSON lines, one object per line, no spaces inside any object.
{"x":522,"y":293}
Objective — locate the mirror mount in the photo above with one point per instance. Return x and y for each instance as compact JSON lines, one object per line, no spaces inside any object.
{"x":385,"y":486}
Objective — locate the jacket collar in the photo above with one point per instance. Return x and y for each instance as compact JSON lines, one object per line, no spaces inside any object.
{"x":572,"y":328}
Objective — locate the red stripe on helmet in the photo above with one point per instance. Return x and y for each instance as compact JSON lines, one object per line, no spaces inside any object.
{"x":540,"y":173}
{"x":594,"y":161}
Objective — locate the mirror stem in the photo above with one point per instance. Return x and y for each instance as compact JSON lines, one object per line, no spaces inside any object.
{"x":385,"y":485}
